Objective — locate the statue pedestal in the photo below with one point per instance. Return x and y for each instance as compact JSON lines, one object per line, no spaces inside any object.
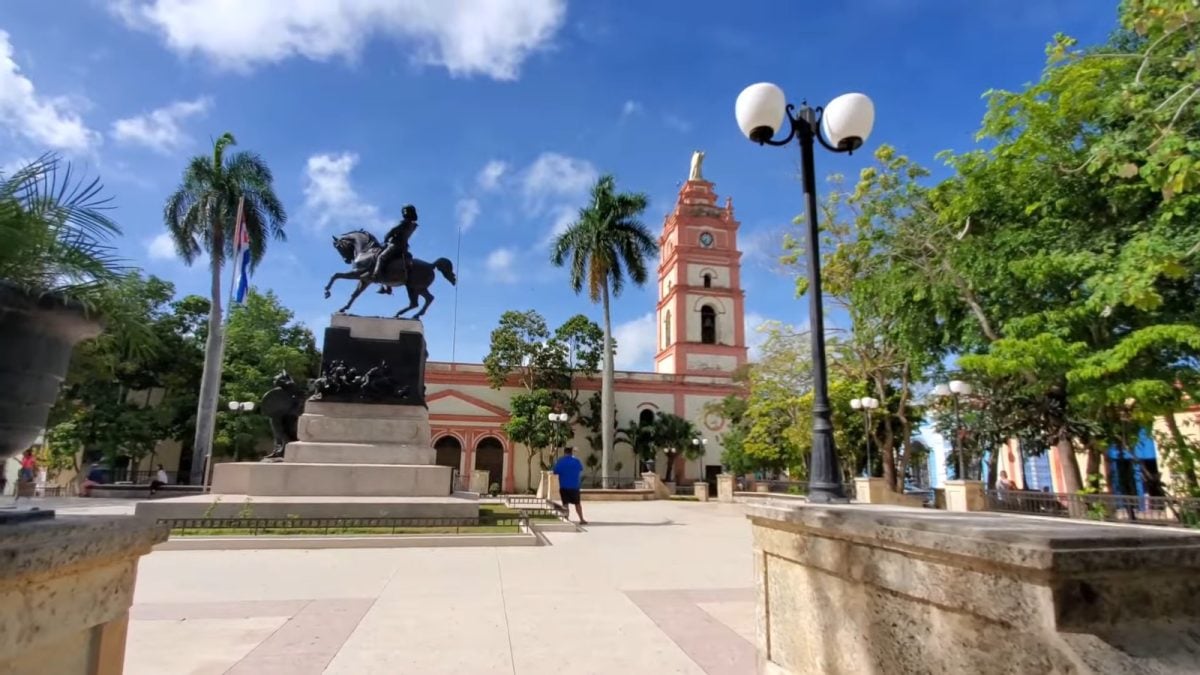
{"x":359,"y":453}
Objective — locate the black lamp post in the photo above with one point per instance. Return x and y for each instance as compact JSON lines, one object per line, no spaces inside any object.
{"x":841,"y":126}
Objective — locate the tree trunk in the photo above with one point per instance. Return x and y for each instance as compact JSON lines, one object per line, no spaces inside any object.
{"x":606,"y":395}
{"x":1064,"y":454}
{"x":993,"y":466}
{"x":210,"y":381}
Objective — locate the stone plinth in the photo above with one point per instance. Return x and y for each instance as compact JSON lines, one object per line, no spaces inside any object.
{"x":965,"y":495}
{"x":479,"y":482}
{"x":725,"y":487}
{"x":848,"y":589}
{"x":66,"y":585}
{"x":875,"y":491}
{"x":656,"y":485}
{"x":351,"y":480}
{"x":701,"y":491}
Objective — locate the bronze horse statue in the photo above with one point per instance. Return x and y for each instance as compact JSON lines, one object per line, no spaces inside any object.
{"x":360,"y":249}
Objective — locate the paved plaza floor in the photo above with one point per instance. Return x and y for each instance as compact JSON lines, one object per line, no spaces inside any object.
{"x":649,"y":587}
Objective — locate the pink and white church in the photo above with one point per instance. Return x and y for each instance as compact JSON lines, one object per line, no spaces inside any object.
{"x":701,"y":343}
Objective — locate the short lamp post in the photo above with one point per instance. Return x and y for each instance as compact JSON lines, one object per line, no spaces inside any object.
{"x":241,"y":406}
{"x":699,"y":444}
{"x":955,"y":390}
{"x":866,"y":404}
{"x":842,"y":126}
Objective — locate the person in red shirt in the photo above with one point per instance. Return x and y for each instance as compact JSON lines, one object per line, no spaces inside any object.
{"x":26,"y":474}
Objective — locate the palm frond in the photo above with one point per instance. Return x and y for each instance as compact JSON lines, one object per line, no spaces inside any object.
{"x":55,"y":231}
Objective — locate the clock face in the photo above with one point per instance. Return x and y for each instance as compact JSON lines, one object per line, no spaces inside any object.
{"x":706,"y":239}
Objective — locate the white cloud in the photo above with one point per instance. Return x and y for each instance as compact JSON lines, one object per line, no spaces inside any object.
{"x":331,"y":199}
{"x":500,"y":265}
{"x":755,"y":337}
{"x":631,"y":108}
{"x":466,"y":211}
{"x":161,"y":247}
{"x":490,"y":175}
{"x":677,"y":123}
{"x":555,"y":176}
{"x":52,"y":122}
{"x":160,"y":129}
{"x":637,"y":341}
{"x":476,"y":37}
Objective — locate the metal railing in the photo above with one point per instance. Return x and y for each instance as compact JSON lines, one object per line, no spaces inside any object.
{"x":327,"y":526}
{"x":1176,"y":511}
{"x":136,"y":476}
{"x":613,"y":483}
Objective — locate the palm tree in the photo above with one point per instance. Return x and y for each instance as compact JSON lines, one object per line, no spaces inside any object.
{"x":673,"y":435}
{"x":605,"y":245}
{"x":200,"y":217}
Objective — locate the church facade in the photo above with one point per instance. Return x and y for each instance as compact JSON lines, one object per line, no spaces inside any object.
{"x":701,"y":342}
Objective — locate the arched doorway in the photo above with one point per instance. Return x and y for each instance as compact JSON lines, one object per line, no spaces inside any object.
{"x":708,"y":325}
{"x":449,"y":452}
{"x":489,"y":456}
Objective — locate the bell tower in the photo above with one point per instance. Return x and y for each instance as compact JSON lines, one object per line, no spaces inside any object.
{"x":701,"y":306}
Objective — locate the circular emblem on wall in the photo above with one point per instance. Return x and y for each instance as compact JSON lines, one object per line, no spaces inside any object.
{"x":706,"y":239}
{"x":714,"y":421}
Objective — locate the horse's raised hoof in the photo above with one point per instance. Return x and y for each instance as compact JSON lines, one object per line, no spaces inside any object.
{"x":327,"y":294}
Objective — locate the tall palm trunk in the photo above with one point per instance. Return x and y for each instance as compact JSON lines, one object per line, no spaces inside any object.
{"x":210,"y":380}
{"x":606,"y":395}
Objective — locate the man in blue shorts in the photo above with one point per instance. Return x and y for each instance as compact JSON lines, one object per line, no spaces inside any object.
{"x":569,"y":469}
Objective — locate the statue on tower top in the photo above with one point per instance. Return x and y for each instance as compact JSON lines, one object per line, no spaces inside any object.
{"x":697,"y":161}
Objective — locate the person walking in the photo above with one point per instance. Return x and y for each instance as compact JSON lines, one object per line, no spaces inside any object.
{"x":569,"y":470}
{"x":25,"y":475}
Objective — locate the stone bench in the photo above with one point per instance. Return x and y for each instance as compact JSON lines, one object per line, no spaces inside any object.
{"x":132,"y":491}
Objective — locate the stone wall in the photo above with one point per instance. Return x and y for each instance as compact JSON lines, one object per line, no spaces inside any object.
{"x":859,"y":589}
{"x":65,"y":589}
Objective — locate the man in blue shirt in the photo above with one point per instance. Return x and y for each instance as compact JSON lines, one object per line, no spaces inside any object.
{"x":568,"y":469}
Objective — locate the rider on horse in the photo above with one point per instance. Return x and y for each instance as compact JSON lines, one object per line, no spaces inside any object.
{"x":396,"y":242}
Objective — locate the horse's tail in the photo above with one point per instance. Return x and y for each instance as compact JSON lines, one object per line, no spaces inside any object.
{"x":446,"y":267}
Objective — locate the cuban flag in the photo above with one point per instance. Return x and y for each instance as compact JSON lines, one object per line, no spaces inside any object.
{"x":241,"y":258}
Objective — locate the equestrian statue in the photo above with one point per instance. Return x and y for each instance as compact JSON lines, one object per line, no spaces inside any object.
{"x":389,"y":264}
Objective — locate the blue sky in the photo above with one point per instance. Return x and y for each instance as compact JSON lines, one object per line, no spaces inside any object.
{"x":492,"y":116}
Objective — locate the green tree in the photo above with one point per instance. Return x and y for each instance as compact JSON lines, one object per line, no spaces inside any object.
{"x":522,"y":344}
{"x":105,"y":404}
{"x":673,"y":436}
{"x":261,"y":341}
{"x":201,"y":218}
{"x":529,"y":424}
{"x":605,"y":245}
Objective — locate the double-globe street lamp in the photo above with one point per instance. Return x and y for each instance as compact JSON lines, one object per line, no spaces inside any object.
{"x":559,"y":420}
{"x":866,"y":404}
{"x":954,"y":390}
{"x":841,"y":126}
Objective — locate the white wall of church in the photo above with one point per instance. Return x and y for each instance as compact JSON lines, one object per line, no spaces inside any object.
{"x":721,"y":362}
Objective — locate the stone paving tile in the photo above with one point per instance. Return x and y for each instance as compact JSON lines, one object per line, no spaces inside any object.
{"x":715,"y":646}
{"x":606,"y":600}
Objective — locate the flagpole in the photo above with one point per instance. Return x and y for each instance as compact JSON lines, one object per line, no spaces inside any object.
{"x":233,"y":271}
{"x":454,"y":324}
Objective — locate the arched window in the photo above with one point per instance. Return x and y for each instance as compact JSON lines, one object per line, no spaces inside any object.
{"x":708,"y":280}
{"x":667,"y":329}
{"x":708,"y":325}
{"x":646,"y":418}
